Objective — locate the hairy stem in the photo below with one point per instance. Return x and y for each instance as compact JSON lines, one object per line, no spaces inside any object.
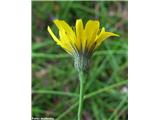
{"x":81,"y":79}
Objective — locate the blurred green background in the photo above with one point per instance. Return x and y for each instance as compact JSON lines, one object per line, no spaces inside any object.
{"x":55,"y":83}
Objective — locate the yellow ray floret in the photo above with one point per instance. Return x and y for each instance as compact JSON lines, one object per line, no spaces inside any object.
{"x":81,"y":39}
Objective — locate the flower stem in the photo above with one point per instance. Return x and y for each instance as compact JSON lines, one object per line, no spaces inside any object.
{"x":81,"y":79}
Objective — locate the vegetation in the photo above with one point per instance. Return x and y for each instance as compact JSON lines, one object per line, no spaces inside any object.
{"x":55,"y":84}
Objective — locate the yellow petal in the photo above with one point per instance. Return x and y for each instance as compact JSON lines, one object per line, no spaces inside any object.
{"x":60,"y":42}
{"x":65,"y":47}
{"x":91,"y":29}
{"x":58,"y":24}
{"x":66,"y":42}
{"x":79,"y":33}
{"x":68,"y":29}
{"x":53,"y":36}
{"x":63,"y":26}
{"x":67,"y":36}
{"x":103,"y":35}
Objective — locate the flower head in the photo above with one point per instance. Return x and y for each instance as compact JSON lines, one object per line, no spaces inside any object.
{"x":81,"y":41}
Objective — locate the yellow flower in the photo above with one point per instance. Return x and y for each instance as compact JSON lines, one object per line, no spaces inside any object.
{"x":81,"y":41}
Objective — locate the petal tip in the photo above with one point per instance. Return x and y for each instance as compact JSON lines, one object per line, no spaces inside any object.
{"x":113,"y":34}
{"x":116,"y":35}
{"x":48,"y":28}
{"x":56,"y":20}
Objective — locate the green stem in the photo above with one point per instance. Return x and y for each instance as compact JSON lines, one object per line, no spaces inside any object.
{"x":81,"y":79}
